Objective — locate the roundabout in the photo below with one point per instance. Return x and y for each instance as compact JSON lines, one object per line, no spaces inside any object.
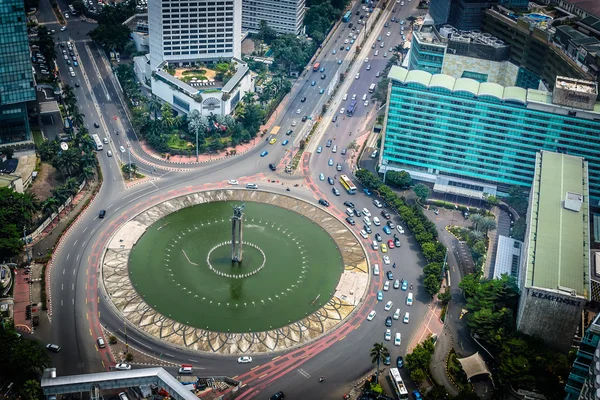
{"x":170,"y":272}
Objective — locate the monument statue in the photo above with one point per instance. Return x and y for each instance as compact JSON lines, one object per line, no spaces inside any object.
{"x":237,"y":232}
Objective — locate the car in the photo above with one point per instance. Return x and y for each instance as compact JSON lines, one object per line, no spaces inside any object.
{"x":388,"y":334}
{"x":277,"y":396}
{"x":366,"y":212}
{"x":313,"y":83}
{"x":109,"y":153}
{"x":383,"y":248}
{"x":338,"y":167}
{"x":387,"y":230}
{"x":102,"y":214}
{"x":264,"y":153}
{"x":341,"y":47}
{"x":349,"y":204}
{"x":385,"y":54}
{"x":371,"y":315}
{"x":390,"y":275}
{"x":363,"y":234}
{"x":377,"y":74}
{"x":96,"y":125}
{"x":334,"y":119}
{"x":294,"y":123}
{"x":357,"y":212}
{"x":357,"y":76}
{"x":367,"y":228}
{"x":397,"y":242}
{"x":386,"y":286}
{"x":346,"y":41}
{"x":323,"y":76}
{"x":409,"y":299}
{"x":64,"y":28}
{"x":285,"y":142}
{"x":344,"y":151}
{"x":397,"y":314}
{"x":397,"y":339}
{"x":244,"y":360}
{"x":378,"y":237}
{"x":367,"y":191}
{"x":298,"y":111}
{"x":406,"y":318}
{"x":388,"y":321}
{"x":404,"y":284}
{"x":373,"y":46}
{"x":377,"y":203}
{"x":391,"y":49}
{"x":122,"y":149}
{"x":319,"y":150}
{"x":366,"y":103}
{"x":324,"y":202}
{"x":74,"y":58}
{"x":335,"y":191}
{"x":321,"y":91}
{"x":272,"y":141}
{"x":376,"y":52}
{"x":272,"y":167}
{"x":330,"y":180}
{"x":72,"y":73}
{"x":388,"y":34}
{"x":386,"y":260}
{"x":388,"y":306}
{"x":347,"y":48}
{"x":376,"y":270}
{"x":334,"y":51}
{"x":397,"y":284}
{"x":376,"y":221}
{"x":53,"y":347}
{"x":379,"y":39}
{"x":342,"y":110}
{"x":387,"y":360}
{"x":251,"y":186}
{"x":122,"y":367}
{"x":321,"y":177}
{"x":400,"y":229}
{"x":77,"y":84}
{"x":328,"y":143}
{"x":390,"y":244}
{"x":399,"y":362}
{"x":289,"y":132}
{"x":330,"y":162}
{"x":391,"y":224}
{"x":232,"y":182}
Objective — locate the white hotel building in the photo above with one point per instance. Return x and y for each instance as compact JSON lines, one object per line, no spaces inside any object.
{"x":284,"y":16}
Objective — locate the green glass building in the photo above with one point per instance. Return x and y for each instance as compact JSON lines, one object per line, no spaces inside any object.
{"x":16,"y":76}
{"x":472,"y":138}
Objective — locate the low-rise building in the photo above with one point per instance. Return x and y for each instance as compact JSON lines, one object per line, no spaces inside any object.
{"x":138,"y":24}
{"x":555,"y":273}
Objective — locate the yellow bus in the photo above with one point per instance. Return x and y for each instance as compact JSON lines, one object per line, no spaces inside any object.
{"x":347,"y":184}
{"x":275,"y":130}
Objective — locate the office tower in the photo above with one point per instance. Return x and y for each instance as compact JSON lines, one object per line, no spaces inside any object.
{"x":475,"y":138}
{"x":16,"y":75}
{"x":184,"y":33}
{"x":286,"y":16}
{"x":466,"y":15}
{"x":584,"y":379}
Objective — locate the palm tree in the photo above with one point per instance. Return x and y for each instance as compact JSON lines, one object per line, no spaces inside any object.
{"x":50,"y":206}
{"x":378,"y":352}
{"x":487,"y":224}
{"x":154,"y":106}
{"x":475,"y":221}
{"x":78,"y":120}
{"x":476,"y":236}
{"x":398,"y":48}
{"x":31,"y":205}
{"x":248,"y":98}
{"x":71,"y":186}
{"x":87,"y":173}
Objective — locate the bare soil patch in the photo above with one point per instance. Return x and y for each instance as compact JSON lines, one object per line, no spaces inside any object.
{"x":46,"y":180}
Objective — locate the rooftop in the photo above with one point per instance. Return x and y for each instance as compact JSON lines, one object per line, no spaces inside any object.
{"x":577,"y":85}
{"x":558,"y":250}
{"x":589,"y":6}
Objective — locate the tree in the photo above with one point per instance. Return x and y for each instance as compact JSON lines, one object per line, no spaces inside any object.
{"x":487,"y":224}
{"x":154,"y":106}
{"x":265,"y":32}
{"x":490,"y":200}
{"x":475,"y":221}
{"x":32,"y":390}
{"x":381,"y":92}
{"x":445,"y":296}
{"x":11,"y":241}
{"x":9,"y":152}
{"x":399,"y":179}
{"x":432,"y":284}
{"x":466,"y":395}
{"x":422,"y":191}
{"x":111,"y":36}
{"x":378,"y":353}
{"x":517,"y":199}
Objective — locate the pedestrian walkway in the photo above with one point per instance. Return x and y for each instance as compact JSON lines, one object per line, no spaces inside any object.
{"x":21,"y":301}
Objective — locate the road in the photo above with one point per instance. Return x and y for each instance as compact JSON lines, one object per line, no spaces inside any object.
{"x":78,"y":312}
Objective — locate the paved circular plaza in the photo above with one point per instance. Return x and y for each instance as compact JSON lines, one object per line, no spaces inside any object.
{"x":168,"y":271}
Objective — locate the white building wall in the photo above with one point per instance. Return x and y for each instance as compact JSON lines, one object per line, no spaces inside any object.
{"x":285,"y":16}
{"x":155,"y":31}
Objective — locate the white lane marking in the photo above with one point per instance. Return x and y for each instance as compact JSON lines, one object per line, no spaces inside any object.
{"x":84,"y":229}
{"x":77,"y":260}
{"x":84,"y":242}
{"x":62,"y":286}
{"x":109,"y":206}
{"x":92,"y":232}
{"x":73,"y":301}
{"x":74,"y":269}
{"x":61,"y":302}
{"x":304,"y":373}
{"x":75,"y":242}
{"x":72,"y":286}
{"x":170,"y":355}
{"x":63,"y":271}
{"x":68,"y":255}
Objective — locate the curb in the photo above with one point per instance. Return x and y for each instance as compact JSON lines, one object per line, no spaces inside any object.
{"x":140,"y":182}
{"x":160,"y":362}
{"x":57,"y":248}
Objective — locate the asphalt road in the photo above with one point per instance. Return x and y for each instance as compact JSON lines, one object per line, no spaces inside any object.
{"x":76,"y":317}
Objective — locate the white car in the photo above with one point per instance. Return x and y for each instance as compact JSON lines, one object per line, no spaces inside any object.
{"x":366,"y":212}
{"x":400,"y":229}
{"x":366,"y":103}
{"x":122,"y":149}
{"x":342,"y":110}
{"x":298,"y":111}
{"x":345,"y":97}
{"x":72,"y":73}
{"x":122,"y":367}
{"x":376,"y":221}
{"x":376,"y":269}
{"x":376,"y":202}
{"x":232,"y":182}
{"x":388,"y":34}
{"x":368,"y":67}
{"x":376,"y":52}
{"x":386,"y":260}
{"x":388,"y":334}
{"x":294,"y":123}
{"x":406,"y":318}
{"x":397,"y":314}
{"x":346,"y":41}
{"x":357,"y":76}
{"x":363,"y":234}
{"x":371,"y":315}
{"x":64,"y":28}
{"x":366,"y":60}
{"x":397,"y":339}
{"x":354,"y":96}
{"x":388,"y":306}
{"x":386,"y":286}
{"x":245,"y":360}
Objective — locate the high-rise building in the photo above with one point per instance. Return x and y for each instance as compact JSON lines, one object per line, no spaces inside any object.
{"x":284,"y":16}
{"x":471,"y":138}
{"x":16,"y":76}
{"x":554,"y":280}
{"x":466,"y":14}
{"x":584,"y":379}
{"x":184,"y":33}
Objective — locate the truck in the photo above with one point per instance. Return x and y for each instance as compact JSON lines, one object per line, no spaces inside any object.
{"x":316,"y":66}
{"x":187,"y":379}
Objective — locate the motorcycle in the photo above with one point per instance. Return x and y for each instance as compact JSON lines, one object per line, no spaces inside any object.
{"x":321,"y":379}
{"x":411,"y":286}
{"x":287,"y":190}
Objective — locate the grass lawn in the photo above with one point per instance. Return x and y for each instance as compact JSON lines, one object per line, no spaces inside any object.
{"x":456,"y":372}
{"x":178,"y":144}
{"x":38,"y":139}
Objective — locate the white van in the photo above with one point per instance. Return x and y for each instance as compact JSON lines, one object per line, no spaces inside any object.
{"x":367,"y":221}
{"x":375,"y":245}
{"x":376,"y":221}
{"x":334,"y":149}
{"x":350,"y":212}
{"x":376,"y":269}
{"x":409,"y":299}
{"x":397,"y":314}
{"x":364,"y":97}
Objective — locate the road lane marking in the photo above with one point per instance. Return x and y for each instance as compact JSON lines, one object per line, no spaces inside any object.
{"x":87,"y":316}
{"x":74,"y":269}
{"x":86,"y":300}
{"x":109,"y":206}
{"x":63,"y":271}
{"x":84,"y":242}
{"x":189,"y":359}
{"x":84,"y":229}
{"x":342,"y":338}
{"x":72,"y":286}
{"x":68,"y":255}
{"x":170,"y":355}
{"x":78,"y":255}
{"x":86,"y":286}
{"x":61,"y":303}
{"x":75,"y":242}
{"x":273,"y":359}
{"x":252,"y":369}
{"x":62,"y":286}
{"x":73,"y":301}
{"x":262,"y":376}
{"x":92,"y":232}
{"x":304,"y":373}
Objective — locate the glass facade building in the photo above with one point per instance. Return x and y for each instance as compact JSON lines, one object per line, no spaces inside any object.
{"x":16,"y":75}
{"x":584,"y":376}
{"x":437,"y":125}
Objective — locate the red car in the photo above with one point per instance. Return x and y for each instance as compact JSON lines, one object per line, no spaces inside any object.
{"x":391,"y":244}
